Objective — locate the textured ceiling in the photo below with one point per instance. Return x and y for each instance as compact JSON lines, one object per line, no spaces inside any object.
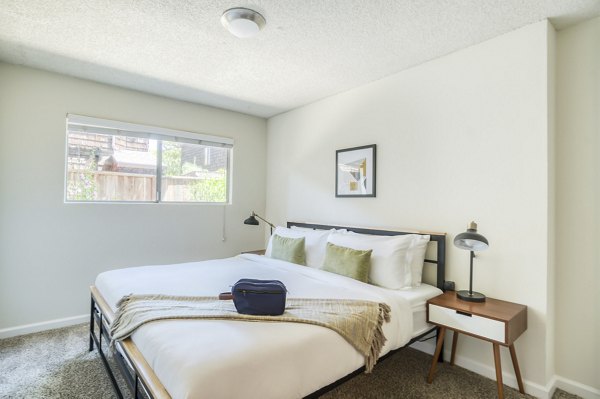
{"x":308,"y":50}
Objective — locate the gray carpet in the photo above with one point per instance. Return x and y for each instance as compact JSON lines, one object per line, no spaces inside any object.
{"x":56,"y":365}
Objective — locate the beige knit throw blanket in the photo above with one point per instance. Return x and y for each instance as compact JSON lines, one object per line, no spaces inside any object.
{"x":359,"y":322}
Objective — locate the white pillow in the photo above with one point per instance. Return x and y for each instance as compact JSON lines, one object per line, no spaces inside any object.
{"x":315,"y":243}
{"x":390,"y":263}
{"x":416,"y":257}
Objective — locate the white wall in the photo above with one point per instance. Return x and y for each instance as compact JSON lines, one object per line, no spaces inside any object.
{"x":460,"y":138}
{"x":551,"y":211}
{"x":50,"y":252}
{"x":578,"y":196}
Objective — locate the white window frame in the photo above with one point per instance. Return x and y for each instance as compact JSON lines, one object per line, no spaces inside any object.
{"x":88,"y":124}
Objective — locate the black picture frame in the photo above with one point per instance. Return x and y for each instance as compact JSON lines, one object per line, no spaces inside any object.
{"x":356,"y":172}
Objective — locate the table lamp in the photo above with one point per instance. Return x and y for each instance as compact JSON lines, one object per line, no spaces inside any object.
{"x":471,"y":241}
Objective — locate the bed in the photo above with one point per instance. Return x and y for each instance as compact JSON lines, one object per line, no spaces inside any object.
{"x":219,"y":358}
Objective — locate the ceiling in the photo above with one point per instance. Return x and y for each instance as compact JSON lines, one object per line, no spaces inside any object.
{"x":308,"y":50}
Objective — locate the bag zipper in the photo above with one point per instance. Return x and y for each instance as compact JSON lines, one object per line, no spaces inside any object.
{"x":258,"y":292}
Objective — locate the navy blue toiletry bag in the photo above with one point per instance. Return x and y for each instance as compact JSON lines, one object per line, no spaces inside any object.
{"x":259,"y":297}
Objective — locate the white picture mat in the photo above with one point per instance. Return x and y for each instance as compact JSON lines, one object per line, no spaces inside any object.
{"x":345,"y":158}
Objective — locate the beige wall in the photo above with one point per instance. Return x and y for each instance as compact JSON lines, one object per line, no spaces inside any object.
{"x":50,"y":252}
{"x":577,"y":200}
{"x":463,"y":137}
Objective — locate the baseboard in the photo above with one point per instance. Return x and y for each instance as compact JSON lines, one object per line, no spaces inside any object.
{"x":425,"y":346}
{"x":43,"y":326}
{"x":567,"y":385}
{"x":508,"y":378}
{"x":574,"y":387}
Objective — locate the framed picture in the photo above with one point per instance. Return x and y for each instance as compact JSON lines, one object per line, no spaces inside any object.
{"x":355,"y":171}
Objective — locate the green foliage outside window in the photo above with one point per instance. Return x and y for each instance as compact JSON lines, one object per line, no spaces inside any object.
{"x":171,"y":159}
{"x":211,"y":189}
{"x":82,"y":187}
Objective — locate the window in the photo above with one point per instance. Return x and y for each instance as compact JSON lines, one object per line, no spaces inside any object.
{"x":110,"y":161}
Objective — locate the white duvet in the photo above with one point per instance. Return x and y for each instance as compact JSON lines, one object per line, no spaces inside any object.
{"x":227,"y":359}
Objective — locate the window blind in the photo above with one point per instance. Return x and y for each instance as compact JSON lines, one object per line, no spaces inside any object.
{"x":88,"y":124}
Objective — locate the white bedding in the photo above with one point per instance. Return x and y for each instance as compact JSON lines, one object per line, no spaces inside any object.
{"x":417,"y":298}
{"x":222,"y":359}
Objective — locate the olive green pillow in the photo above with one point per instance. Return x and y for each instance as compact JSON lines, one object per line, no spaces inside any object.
{"x":288,"y":249}
{"x":348,"y":262}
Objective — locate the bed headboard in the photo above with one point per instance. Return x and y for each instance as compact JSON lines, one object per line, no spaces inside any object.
{"x":438,"y":238}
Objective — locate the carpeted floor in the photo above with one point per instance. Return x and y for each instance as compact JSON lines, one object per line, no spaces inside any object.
{"x":56,"y":365}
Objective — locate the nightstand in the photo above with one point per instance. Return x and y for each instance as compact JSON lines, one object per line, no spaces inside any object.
{"x":496,"y":321}
{"x":255,"y":252}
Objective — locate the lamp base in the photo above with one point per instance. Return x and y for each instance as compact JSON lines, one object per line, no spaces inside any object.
{"x":470,"y":297}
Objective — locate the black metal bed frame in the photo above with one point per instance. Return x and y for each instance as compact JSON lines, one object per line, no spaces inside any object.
{"x":138,"y":387}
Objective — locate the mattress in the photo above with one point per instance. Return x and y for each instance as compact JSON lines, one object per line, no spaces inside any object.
{"x":417,"y":298}
{"x":221,"y":359}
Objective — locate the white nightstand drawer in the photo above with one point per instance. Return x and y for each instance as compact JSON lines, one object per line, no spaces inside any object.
{"x":473,"y":324}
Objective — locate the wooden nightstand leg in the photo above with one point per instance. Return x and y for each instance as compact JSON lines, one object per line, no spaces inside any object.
{"x":513,"y":355}
{"x":438,"y":350}
{"x":454,"y":342}
{"x":498,"y":370}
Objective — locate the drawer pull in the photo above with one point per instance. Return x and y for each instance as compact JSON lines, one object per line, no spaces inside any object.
{"x":464,"y":313}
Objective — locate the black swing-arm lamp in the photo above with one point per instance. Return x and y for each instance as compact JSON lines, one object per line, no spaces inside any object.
{"x":253,"y":222}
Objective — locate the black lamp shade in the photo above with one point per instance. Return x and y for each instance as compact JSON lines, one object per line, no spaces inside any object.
{"x":251,"y":220}
{"x":471,"y":240}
